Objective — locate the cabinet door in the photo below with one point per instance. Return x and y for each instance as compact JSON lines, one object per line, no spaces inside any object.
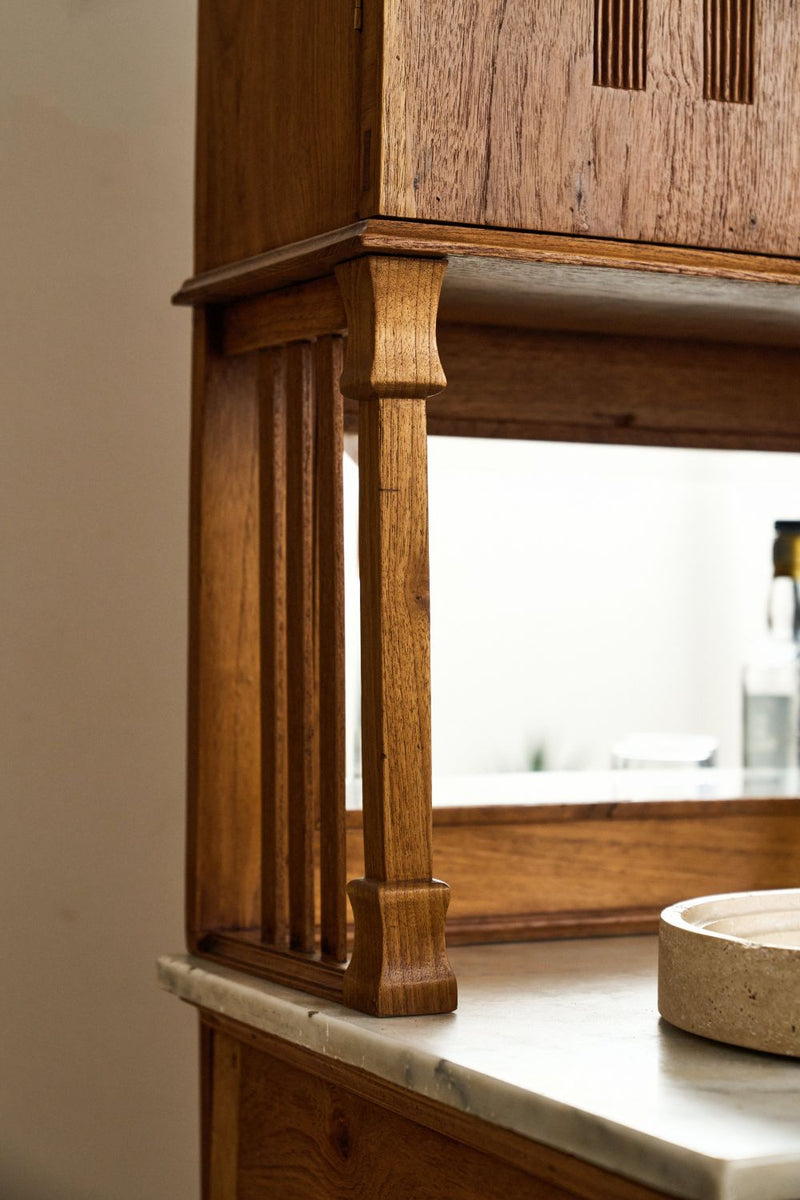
{"x":656,"y":120}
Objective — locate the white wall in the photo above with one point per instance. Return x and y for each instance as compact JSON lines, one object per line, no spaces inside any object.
{"x":98,"y":1094}
{"x":580,"y":593}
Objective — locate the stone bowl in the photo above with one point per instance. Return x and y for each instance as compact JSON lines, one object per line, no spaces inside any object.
{"x":729,"y":968}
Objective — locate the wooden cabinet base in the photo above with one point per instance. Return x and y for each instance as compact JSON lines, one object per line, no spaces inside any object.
{"x":283,"y":1123}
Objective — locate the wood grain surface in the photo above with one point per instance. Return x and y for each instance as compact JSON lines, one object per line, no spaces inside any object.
{"x":302,"y":644}
{"x":311,"y":1128}
{"x":605,"y":388}
{"x":488,"y":248}
{"x":278,"y":141}
{"x":399,"y":963}
{"x":329,"y":549}
{"x":490,"y":118}
{"x":274,"y":692}
{"x":224,"y":744}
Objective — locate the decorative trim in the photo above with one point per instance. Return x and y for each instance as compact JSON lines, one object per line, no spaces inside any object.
{"x":319,"y":256}
{"x":728,"y":27}
{"x":620,"y":44}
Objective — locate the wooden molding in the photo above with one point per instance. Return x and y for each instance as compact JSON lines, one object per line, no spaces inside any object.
{"x":318,"y":256}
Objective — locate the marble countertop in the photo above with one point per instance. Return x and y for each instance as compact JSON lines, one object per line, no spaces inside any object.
{"x":561,"y":1042}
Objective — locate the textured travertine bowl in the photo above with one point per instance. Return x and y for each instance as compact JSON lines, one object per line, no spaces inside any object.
{"x":729,"y":968}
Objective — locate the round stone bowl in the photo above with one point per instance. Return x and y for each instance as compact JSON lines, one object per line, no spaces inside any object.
{"x":729,"y":968}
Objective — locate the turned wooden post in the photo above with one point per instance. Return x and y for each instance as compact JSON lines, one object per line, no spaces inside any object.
{"x":399,"y":964}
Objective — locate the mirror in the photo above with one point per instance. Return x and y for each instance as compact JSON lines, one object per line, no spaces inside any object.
{"x":581,"y":594}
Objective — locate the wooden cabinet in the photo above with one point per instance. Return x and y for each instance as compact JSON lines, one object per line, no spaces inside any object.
{"x":282,"y":1123}
{"x":583,"y":219}
{"x":645,"y":120}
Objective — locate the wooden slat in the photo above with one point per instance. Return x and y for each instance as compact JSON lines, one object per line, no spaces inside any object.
{"x":223,"y":1133}
{"x":330,"y":556}
{"x":223,"y":722}
{"x":301,"y":641}
{"x":274,"y":747}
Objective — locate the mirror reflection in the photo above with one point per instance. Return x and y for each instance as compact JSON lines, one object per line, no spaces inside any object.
{"x":596,"y":607}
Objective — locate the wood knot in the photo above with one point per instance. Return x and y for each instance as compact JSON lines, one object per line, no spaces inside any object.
{"x":340,"y":1135}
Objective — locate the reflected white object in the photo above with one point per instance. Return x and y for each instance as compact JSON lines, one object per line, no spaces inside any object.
{"x":729,"y":968}
{"x":664,"y":750}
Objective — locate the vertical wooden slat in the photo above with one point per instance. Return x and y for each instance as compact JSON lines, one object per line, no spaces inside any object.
{"x":301,"y":641}
{"x":330,"y":558}
{"x":727,"y":49}
{"x":748,"y":34}
{"x":226,"y":1073}
{"x":639,"y":42}
{"x":224,"y":763}
{"x":274,"y":748}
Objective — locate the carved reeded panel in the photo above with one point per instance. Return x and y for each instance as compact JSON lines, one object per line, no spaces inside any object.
{"x":728,"y":50}
{"x":620,"y":32}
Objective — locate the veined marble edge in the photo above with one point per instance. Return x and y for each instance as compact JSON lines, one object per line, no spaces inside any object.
{"x":641,"y":1156}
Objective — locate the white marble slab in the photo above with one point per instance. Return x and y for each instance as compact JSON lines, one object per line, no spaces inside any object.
{"x":561,"y":1042}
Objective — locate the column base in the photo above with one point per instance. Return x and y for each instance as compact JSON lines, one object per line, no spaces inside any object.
{"x":399,"y":966}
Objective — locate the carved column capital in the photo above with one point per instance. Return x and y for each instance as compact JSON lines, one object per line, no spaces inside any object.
{"x":391,"y":308}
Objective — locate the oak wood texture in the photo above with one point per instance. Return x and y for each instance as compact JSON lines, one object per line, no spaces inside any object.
{"x":581,"y":870}
{"x":547,"y":297}
{"x":570,"y":870}
{"x":305,"y":310}
{"x":620,"y":44}
{"x":302,"y":677}
{"x":399,"y":963}
{"x":274,"y":703}
{"x":605,"y":388}
{"x":278,"y":144}
{"x":484,"y":113}
{"x":224,"y":759}
{"x":490,"y":248}
{"x":728,"y":50}
{"x":246,"y":949}
{"x":221,"y":1073}
{"x":311,"y":1128}
{"x":490,"y":118}
{"x":553,"y":385}
{"x":329,"y":539}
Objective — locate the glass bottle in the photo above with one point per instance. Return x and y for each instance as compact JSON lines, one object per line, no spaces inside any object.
{"x":771,"y":680}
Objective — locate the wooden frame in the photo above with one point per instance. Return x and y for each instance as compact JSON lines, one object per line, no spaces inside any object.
{"x":269,"y":416}
{"x":335,"y":1130}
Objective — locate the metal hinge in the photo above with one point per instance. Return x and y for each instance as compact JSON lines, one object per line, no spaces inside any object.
{"x":358,"y":14}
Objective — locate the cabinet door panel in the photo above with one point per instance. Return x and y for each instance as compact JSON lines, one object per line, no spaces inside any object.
{"x":492,"y":115}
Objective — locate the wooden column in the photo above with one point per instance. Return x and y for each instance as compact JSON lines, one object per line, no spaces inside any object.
{"x":399,"y":964}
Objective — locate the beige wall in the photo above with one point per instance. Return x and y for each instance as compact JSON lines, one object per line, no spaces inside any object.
{"x":97,"y":1067}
